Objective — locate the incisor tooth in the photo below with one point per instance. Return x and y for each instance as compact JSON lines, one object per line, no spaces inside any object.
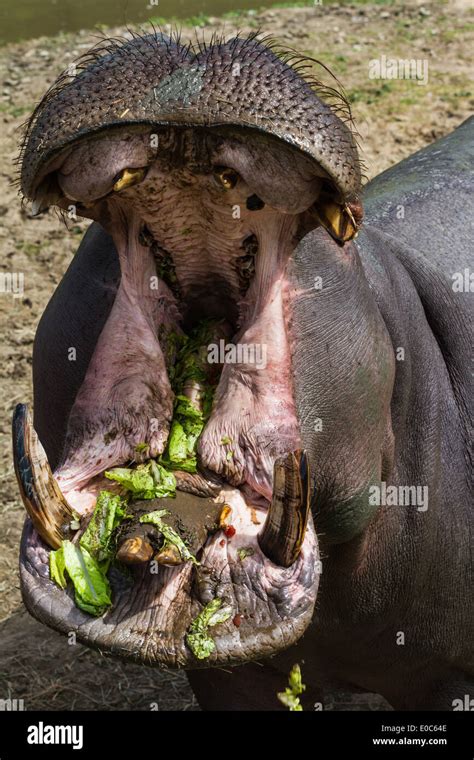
{"x":169,"y":555}
{"x":134,"y":551}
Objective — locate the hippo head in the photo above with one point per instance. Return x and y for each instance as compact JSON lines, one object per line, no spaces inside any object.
{"x":207,"y":166}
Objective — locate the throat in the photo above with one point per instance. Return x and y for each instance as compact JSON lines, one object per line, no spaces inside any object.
{"x":171,"y":283}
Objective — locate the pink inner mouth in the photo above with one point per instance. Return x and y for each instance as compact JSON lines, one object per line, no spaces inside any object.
{"x":126,"y":399}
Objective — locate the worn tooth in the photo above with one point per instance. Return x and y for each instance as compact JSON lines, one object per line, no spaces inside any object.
{"x":282,"y":535}
{"x":169,"y":555}
{"x":225,"y":515}
{"x":134,"y":551}
{"x":129,"y":177}
{"x":337,"y":220}
{"x":205,"y":584}
{"x":41,"y":495}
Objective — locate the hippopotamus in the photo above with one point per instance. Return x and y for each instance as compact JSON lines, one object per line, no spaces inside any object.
{"x":224,"y":183}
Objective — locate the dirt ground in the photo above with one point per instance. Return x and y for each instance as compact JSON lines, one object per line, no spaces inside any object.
{"x":394,"y":118}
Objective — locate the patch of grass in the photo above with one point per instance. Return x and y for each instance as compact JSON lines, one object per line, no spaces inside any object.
{"x":368,"y":2}
{"x":337,"y":62}
{"x":200,"y":20}
{"x":15,"y":111}
{"x":159,"y":20}
{"x":370,"y":94}
{"x":31,"y":249}
{"x":466,"y":27}
{"x":409,"y":101}
{"x":452,"y":97}
{"x":313,"y":3}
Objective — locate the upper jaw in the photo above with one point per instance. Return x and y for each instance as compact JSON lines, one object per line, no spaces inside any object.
{"x":239,"y":82}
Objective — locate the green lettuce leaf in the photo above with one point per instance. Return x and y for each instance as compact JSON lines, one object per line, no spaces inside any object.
{"x":91,"y":587}
{"x":170,"y":535}
{"x":177,"y":443}
{"x":57,"y":567}
{"x":187,"y":425}
{"x":290,"y":697}
{"x":198,"y":638}
{"x":147,"y":481}
{"x":108,"y":514}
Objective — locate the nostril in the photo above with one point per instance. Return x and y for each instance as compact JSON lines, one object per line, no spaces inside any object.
{"x":254,"y":203}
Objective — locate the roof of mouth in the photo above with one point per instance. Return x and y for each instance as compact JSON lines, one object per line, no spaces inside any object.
{"x":155,"y":79}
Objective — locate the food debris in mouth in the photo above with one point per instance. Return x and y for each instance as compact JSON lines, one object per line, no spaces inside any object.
{"x":198,"y":638}
{"x":170,"y":535}
{"x":147,"y":481}
{"x":291,"y":696}
{"x":244,"y":552}
{"x":86,"y":562}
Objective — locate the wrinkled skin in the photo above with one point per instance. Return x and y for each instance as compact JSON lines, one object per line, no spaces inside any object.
{"x":334,"y":382}
{"x":406,"y":571}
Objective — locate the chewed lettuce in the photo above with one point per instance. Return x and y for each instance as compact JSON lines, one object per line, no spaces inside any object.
{"x":198,"y":638}
{"x":108,"y":514}
{"x":91,"y":586}
{"x":147,"y":481}
{"x":188,"y":419}
{"x":169,"y":534}
{"x":291,"y":696}
{"x":186,"y":427}
{"x":87,"y":562}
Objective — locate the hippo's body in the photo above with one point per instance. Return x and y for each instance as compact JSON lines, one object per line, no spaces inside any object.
{"x":410,"y":572}
{"x":380,"y":353}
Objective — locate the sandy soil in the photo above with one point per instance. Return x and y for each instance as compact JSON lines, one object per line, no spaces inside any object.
{"x":394,"y":118}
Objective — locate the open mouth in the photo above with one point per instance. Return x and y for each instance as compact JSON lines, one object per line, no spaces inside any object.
{"x":204,"y":220}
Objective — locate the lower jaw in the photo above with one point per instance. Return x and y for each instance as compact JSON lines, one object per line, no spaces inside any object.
{"x":152,"y":613}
